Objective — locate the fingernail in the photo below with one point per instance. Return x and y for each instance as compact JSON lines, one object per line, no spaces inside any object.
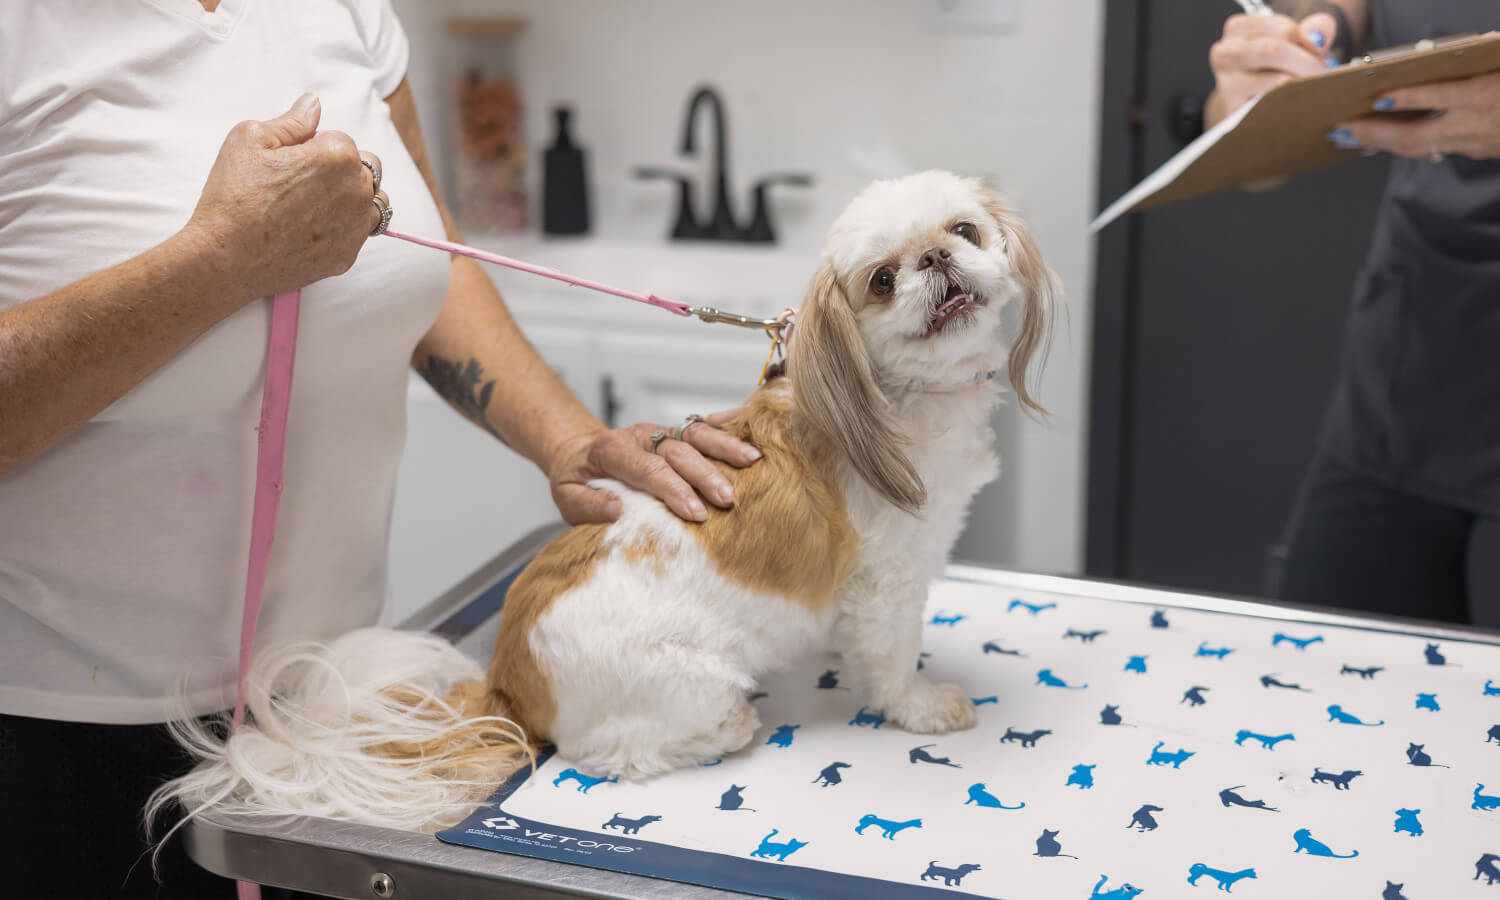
{"x":753,"y":454}
{"x":725,"y":495}
{"x":1330,"y":62}
{"x":1317,"y":38}
{"x":1385,"y":104}
{"x":612,"y":509}
{"x":1340,"y":135}
{"x":698,"y":511}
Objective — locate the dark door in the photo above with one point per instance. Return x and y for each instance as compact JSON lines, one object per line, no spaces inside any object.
{"x":1218,"y":326}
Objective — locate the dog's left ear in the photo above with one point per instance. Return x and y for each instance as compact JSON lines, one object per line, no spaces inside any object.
{"x":1040,"y":290}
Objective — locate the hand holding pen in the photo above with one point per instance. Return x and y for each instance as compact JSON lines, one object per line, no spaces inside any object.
{"x":1261,"y":49}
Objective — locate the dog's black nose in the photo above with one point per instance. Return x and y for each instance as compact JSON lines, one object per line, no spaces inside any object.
{"x":937,"y":256}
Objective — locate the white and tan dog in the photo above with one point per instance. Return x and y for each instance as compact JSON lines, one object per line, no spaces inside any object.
{"x":632,"y":646}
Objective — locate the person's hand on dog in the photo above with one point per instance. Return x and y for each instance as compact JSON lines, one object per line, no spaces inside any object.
{"x":678,"y":472}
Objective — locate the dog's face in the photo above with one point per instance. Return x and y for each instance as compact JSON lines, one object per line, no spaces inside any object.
{"x":916,"y":271}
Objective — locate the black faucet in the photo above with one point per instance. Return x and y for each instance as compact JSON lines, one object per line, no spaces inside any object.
{"x":721,"y":226}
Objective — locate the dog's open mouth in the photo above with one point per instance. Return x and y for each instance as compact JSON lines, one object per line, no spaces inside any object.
{"x":956,"y":303}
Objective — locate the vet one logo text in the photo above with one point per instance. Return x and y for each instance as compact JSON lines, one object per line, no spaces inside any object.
{"x":505,"y":824}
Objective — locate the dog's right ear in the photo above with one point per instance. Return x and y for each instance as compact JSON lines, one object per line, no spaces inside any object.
{"x":833,"y":382}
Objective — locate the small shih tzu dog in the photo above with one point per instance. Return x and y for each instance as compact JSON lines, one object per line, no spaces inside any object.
{"x":632,"y":646}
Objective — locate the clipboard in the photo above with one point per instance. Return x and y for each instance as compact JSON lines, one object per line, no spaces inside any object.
{"x":1284,"y":131}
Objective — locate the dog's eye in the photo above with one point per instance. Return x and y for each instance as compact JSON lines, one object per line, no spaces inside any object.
{"x":967,"y":231}
{"x":884,"y":280}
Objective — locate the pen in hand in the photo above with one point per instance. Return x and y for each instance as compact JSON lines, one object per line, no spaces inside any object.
{"x":1255,"y":8}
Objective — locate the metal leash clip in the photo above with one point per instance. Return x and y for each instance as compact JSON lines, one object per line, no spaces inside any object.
{"x":779,"y":329}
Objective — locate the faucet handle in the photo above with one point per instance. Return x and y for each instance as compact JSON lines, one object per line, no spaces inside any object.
{"x":687,"y":226}
{"x":760,"y":231}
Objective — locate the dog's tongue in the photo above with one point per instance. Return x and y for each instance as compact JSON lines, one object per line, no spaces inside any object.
{"x":954,"y":297}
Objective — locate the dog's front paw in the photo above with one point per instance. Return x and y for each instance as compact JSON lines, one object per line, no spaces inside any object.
{"x":927,"y":708}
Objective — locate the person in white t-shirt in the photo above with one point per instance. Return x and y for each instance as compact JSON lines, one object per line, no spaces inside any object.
{"x":138,"y":249}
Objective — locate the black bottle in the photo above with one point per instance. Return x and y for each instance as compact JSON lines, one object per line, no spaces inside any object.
{"x":565,"y":198}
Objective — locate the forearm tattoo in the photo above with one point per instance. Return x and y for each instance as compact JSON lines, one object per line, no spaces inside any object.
{"x":1345,"y":43}
{"x":463,"y":385}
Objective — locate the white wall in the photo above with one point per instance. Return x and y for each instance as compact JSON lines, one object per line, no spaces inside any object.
{"x":831,"y":88}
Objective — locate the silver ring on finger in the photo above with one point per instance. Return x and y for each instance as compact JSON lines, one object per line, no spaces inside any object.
{"x":384,"y":208}
{"x":657,"y":437}
{"x":681,"y":430}
{"x":369,"y":162}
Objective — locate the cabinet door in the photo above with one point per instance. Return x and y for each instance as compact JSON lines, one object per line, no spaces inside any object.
{"x":571,"y":350}
{"x":663,"y":378}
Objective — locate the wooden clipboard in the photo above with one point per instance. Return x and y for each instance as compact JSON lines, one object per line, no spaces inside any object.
{"x":1284,"y":132}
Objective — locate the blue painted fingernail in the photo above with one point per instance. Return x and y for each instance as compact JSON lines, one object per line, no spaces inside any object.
{"x":1385,"y":105}
{"x":1340,"y":135}
{"x":1330,"y":62}
{"x":1317,"y":38}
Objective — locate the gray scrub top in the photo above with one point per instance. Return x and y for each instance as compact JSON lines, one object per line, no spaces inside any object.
{"x":1417,"y":404}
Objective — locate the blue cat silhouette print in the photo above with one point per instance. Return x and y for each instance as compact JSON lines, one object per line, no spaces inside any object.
{"x":1434,"y":656}
{"x":920,"y":754}
{"x":1336,"y":714}
{"x":1493,"y":734}
{"x":1219,"y":652}
{"x":776,"y":851}
{"x":1027,"y":738}
{"x":1159,"y":619}
{"x":585,"y":782}
{"x":951,"y":877}
{"x":1193,"y":696}
{"x":1229,"y":798}
{"x":1339,"y":781}
{"x":830,"y":775}
{"x":1082,"y":777}
{"x":733,"y":800}
{"x":829,"y":681}
{"x":1486,"y":867}
{"x":1406,"y":821}
{"x":978,"y":796}
{"x":1266,"y":741}
{"x":1270,"y":681}
{"x":1416,"y":756}
{"x":1393,"y":891}
{"x":1143,"y":820}
{"x":1047,"y":845}
{"x":1086,"y":637}
{"x":1299,"y":643}
{"x":1110,"y":715}
{"x":888,"y":828}
{"x":629,"y":826}
{"x":1136,"y":664}
{"x":782,"y":737}
{"x":1428,"y":702}
{"x":1366,"y":673}
{"x":866,"y":717}
{"x":1174,"y":759}
{"x":1032,"y":608}
{"x":1491,"y":689}
{"x":939,"y":619}
{"x":1306,"y":843}
{"x":1126,"y":891}
{"x":981,"y":701}
{"x":1226,"y":880}
{"x":994,"y":647}
{"x":1045,"y":678}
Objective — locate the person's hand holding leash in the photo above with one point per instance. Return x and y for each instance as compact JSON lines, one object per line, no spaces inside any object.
{"x":675,"y":467}
{"x":1465,"y":120}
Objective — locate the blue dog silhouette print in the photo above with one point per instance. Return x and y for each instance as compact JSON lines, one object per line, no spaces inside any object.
{"x":994,"y":647}
{"x":1493,"y":734}
{"x":585,"y":782}
{"x":1176,"y":759}
{"x":920,"y":754}
{"x":1340,"y":781}
{"x":865,"y":717}
{"x":1312,"y":847}
{"x":1032,"y":608}
{"x":778,"y":852}
{"x":630,"y":826}
{"x":1491,"y":689}
{"x":1110,"y":715}
{"x":1270,"y":681}
{"x":1392,"y":891}
{"x":1428,"y":702}
{"x":888,"y":829}
{"x":1045,"y":678}
{"x":1417,"y":757}
{"x":1229,"y":798}
{"x":1435,"y":656}
{"x":1086,"y":637}
{"x":1083,"y":777}
{"x":980,"y":701}
{"x":1143,"y":819}
{"x":1267,"y":741}
{"x":830,"y":775}
{"x":733,"y":800}
{"x":1159,"y":619}
{"x":1027,"y":738}
{"x":1486,"y":867}
{"x":1482,"y":801}
{"x":939,"y":619}
{"x":1299,"y":643}
{"x":1336,"y":714}
{"x":1194,"y":696}
{"x":1047,"y":845}
{"x":829,"y":681}
{"x":1406,"y":820}
{"x":1126,"y":891}
{"x":782,"y":736}
{"x":1205,"y":650}
{"x":1136,"y":664}
{"x":1366,"y":673}
{"x":1226,"y":880}
{"x":981,"y":797}
{"x":951,"y":877}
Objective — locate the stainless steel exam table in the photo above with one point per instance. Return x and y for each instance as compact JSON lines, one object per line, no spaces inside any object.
{"x":335,"y":859}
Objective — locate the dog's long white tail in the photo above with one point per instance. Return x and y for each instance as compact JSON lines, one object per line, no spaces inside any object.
{"x":379,"y":726}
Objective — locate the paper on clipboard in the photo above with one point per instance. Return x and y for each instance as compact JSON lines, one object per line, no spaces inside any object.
{"x":1284,"y":131}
